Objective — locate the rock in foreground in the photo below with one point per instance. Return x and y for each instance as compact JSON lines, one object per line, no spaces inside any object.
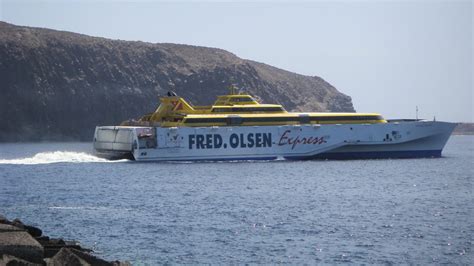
{"x":21,"y":244}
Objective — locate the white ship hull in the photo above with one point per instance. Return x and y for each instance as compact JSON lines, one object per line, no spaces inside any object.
{"x":404,"y":139}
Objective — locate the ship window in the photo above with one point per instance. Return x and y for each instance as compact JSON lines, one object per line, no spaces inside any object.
{"x":234,"y":120}
{"x":204,"y":120}
{"x":346,"y":118}
{"x":246,"y":109}
{"x":242,"y":99}
{"x":305,"y":119}
{"x":272,"y":119}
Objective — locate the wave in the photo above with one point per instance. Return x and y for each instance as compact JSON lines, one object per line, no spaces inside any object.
{"x":58,"y":157}
{"x":88,"y":208}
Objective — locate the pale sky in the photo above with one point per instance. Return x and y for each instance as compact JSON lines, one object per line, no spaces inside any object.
{"x":389,"y":56}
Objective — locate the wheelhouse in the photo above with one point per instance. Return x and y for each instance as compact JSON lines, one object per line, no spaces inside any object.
{"x":241,"y":110}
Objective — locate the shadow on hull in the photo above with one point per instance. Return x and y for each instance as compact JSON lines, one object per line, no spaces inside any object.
{"x":114,"y":155}
{"x":370,"y":155}
{"x":324,"y":156}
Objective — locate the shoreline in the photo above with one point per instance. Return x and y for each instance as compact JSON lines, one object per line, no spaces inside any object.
{"x":464,"y":129}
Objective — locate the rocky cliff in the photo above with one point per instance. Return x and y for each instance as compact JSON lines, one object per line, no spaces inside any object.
{"x":464,"y":129}
{"x":59,"y":85}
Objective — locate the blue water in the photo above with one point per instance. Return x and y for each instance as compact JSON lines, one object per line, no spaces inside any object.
{"x":417,"y":211}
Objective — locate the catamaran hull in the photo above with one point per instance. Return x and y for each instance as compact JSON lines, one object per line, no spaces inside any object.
{"x":413,"y":139}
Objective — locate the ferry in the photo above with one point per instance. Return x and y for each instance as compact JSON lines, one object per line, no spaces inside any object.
{"x":238,"y":127}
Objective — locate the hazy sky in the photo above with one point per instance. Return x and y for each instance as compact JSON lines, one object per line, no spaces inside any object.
{"x":389,"y":55}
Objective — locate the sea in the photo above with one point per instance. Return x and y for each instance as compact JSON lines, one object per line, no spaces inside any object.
{"x":391,"y":211}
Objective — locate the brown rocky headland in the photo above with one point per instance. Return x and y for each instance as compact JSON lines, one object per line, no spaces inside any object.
{"x":464,"y":129}
{"x":58,"y":85}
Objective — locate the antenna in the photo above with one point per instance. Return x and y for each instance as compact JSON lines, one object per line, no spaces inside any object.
{"x":417,"y":112}
{"x":232,"y":89}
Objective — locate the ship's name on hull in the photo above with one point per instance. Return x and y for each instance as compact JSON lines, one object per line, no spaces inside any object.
{"x":250,"y":140}
{"x":216,"y":141}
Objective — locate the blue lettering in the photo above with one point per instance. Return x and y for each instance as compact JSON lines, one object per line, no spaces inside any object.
{"x":192,"y":141}
{"x":200,"y":142}
{"x":217,"y":141}
{"x":250,"y":140}
{"x":267,"y":139}
{"x":258,"y":140}
{"x":242,"y":141}
{"x":208,"y":141}
{"x":234,"y":140}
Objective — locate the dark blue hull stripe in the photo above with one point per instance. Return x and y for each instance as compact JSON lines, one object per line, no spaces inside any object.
{"x":339,"y":156}
{"x":215,"y":159}
{"x":370,"y":155}
{"x":239,"y":159}
{"x":328,"y":155}
{"x":343,"y":156}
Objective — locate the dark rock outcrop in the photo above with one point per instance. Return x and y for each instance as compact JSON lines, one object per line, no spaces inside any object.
{"x":22,"y":244}
{"x":33,"y":231}
{"x":75,"y":257}
{"x":59,"y":85}
{"x":464,"y":129}
{"x":10,"y":260}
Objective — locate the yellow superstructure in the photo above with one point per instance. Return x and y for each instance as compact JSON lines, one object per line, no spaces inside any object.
{"x":241,"y":110}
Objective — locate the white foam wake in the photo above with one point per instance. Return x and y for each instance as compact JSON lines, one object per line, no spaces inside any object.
{"x":57,"y":157}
